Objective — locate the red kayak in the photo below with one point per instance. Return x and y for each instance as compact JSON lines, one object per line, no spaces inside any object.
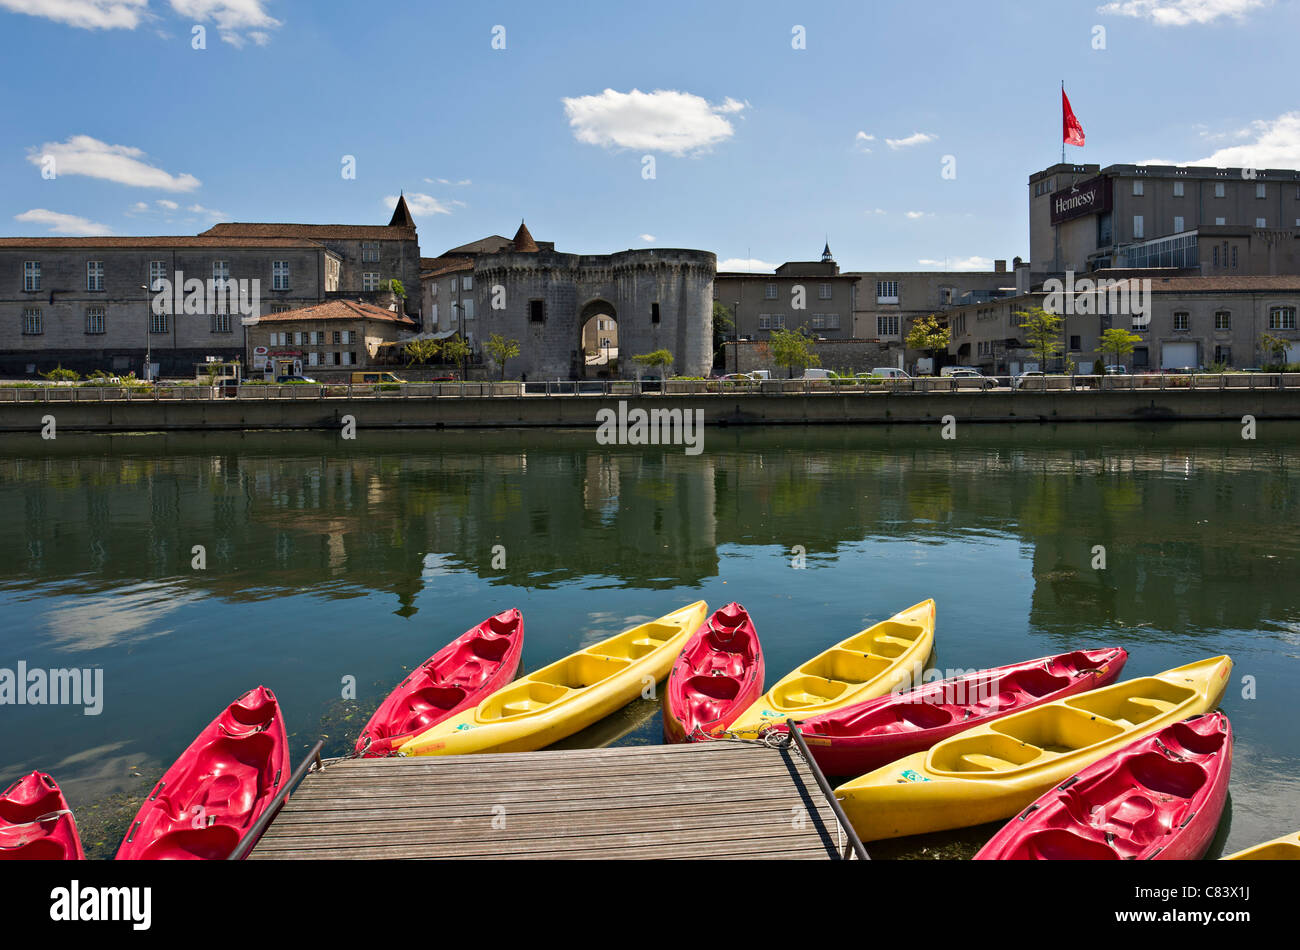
{"x":218,"y":788}
{"x":717,"y":676}
{"x":458,"y":677}
{"x":861,"y":738}
{"x":1160,"y":797}
{"x":36,"y":823}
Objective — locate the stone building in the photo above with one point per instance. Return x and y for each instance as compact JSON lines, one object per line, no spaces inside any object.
{"x":809,"y":294}
{"x":1194,"y":322}
{"x":86,"y":303}
{"x":1228,"y":221}
{"x":325,"y":340}
{"x":527,"y":291}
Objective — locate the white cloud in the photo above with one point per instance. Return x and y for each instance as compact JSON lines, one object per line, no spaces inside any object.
{"x":1184,"y":12}
{"x":877,"y":211}
{"x":914,"y":215}
{"x":648,"y":238}
{"x":1276,"y":145}
{"x":447,"y":181}
{"x":421,"y":205}
{"x":207,"y":212}
{"x":231,"y":17}
{"x":916,"y":138}
{"x":745,"y":264}
{"x":83,"y":155}
{"x":86,"y":14}
{"x":860,"y":141}
{"x":660,"y":121}
{"x":974,"y":262}
{"x":169,"y":205}
{"x":59,"y":223}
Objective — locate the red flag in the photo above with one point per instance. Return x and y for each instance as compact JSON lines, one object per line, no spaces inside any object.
{"x":1072,"y":131}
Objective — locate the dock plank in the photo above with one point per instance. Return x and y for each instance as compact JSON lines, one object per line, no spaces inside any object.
{"x":710,"y":800}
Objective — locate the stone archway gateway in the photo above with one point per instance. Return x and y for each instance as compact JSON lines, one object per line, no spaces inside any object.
{"x":598,"y":340}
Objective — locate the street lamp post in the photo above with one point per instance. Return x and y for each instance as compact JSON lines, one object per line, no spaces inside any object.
{"x":148,"y":338}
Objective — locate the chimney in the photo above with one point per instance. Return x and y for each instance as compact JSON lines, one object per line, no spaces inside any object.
{"x":1000,"y":267}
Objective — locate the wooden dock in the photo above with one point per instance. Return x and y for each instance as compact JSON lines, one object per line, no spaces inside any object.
{"x":706,"y":800}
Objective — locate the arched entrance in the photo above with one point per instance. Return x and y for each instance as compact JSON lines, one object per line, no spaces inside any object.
{"x":598,"y":340}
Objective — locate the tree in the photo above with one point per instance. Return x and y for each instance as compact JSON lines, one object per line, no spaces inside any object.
{"x":501,"y":350}
{"x":1276,"y":347}
{"x":661,"y":359}
{"x":928,"y":335}
{"x":724,"y":323}
{"x":1043,"y":333}
{"x":397,"y":288}
{"x":790,"y":349}
{"x":457,"y":351}
{"x":421,"y":350}
{"x":1118,"y":343}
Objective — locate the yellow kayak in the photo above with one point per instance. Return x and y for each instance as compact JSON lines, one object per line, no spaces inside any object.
{"x":1286,"y":848}
{"x":990,"y":772}
{"x":569,"y":695}
{"x":866,"y":665}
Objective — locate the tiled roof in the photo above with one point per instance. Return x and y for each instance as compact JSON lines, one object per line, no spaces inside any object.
{"x":523,"y":241}
{"x":338,"y":310}
{"x":436,"y":266}
{"x":318,"y":232}
{"x":488,"y":245}
{"x":183,"y":240}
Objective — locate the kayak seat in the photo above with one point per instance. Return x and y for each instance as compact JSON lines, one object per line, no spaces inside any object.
{"x":256,"y":710}
{"x":846,"y":666}
{"x":424,"y":704}
{"x":714,"y":687}
{"x":45,"y":848}
{"x":982,"y":753}
{"x":581,"y":670}
{"x":1133,"y":702}
{"x":1059,"y":844}
{"x":490,"y":648}
{"x":924,"y":715}
{"x":1057,"y":729}
{"x":506,"y":624}
{"x":521,"y":698}
{"x":1035,"y":683}
{"x":1191,"y":740}
{"x":213,"y":843}
{"x":807,"y":691}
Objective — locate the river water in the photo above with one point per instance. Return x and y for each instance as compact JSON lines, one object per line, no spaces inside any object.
{"x":329,"y":559}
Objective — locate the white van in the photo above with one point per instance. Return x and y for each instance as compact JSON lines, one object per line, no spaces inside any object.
{"x":889,"y":372}
{"x":813,"y":372}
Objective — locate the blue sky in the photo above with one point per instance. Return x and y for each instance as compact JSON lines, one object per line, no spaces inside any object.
{"x":761,"y":151}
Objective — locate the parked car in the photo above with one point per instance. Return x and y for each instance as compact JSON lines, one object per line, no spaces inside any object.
{"x":294,"y":379}
{"x":1115,"y":369}
{"x":889,"y":372}
{"x":982,"y":381}
{"x":813,"y":372}
{"x":372,"y":376}
{"x":1031,"y":379}
{"x":955,"y":370}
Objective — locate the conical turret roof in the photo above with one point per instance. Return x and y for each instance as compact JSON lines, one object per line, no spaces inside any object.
{"x":524,"y":241}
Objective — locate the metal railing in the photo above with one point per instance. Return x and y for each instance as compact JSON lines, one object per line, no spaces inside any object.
{"x":854,"y":844}
{"x":263,"y":822}
{"x":992,"y":385}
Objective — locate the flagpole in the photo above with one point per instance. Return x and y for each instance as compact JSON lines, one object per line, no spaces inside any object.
{"x":1062,"y":121}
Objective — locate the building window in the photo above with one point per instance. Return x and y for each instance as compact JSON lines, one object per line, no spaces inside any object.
{"x":94,"y":320}
{"x":1220,"y":221}
{"x":1076,"y":343}
{"x":157,"y":272}
{"x":1218,"y":189}
{"x":654,"y":313}
{"x":769,"y":292}
{"x":1223,"y":354}
{"x":1222,"y":320}
{"x":765,"y":321}
{"x":1178,"y":224}
{"x":1137,"y":187}
{"x":221,"y":323}
{"x":280,"y":308}
{"x":832,"y":321}
{"x":349,"y":358}
{"x":468,"y":306}
{"x":313,"y":358}
{"x":824,"y":292}
{"x":1178,"y":189}
{"x":332,"y":275}
{"x":819,"y":321}
{"x":778,"y":321}
{"x":537,"y":311}
{"x":1139,"y":229}
{"x":1180,"y":320}
{"x":94,"y":275}
{"x":336,"y":337}
{"x":220,"y":272}
{"x":31,"y":275}
{"x":279,"y":275}
{"x":32,"y":325}
{"x":369,"y":252}
{"x":1261,"y":190}
{"x":1281,"y":318}
{"x":467,"y":282}
{"x":370,"y":281}
{"x":1261,"y":222}
{"x":157,"y":322}
{"x":1234,"y":257}
{"x":887,"y":325}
